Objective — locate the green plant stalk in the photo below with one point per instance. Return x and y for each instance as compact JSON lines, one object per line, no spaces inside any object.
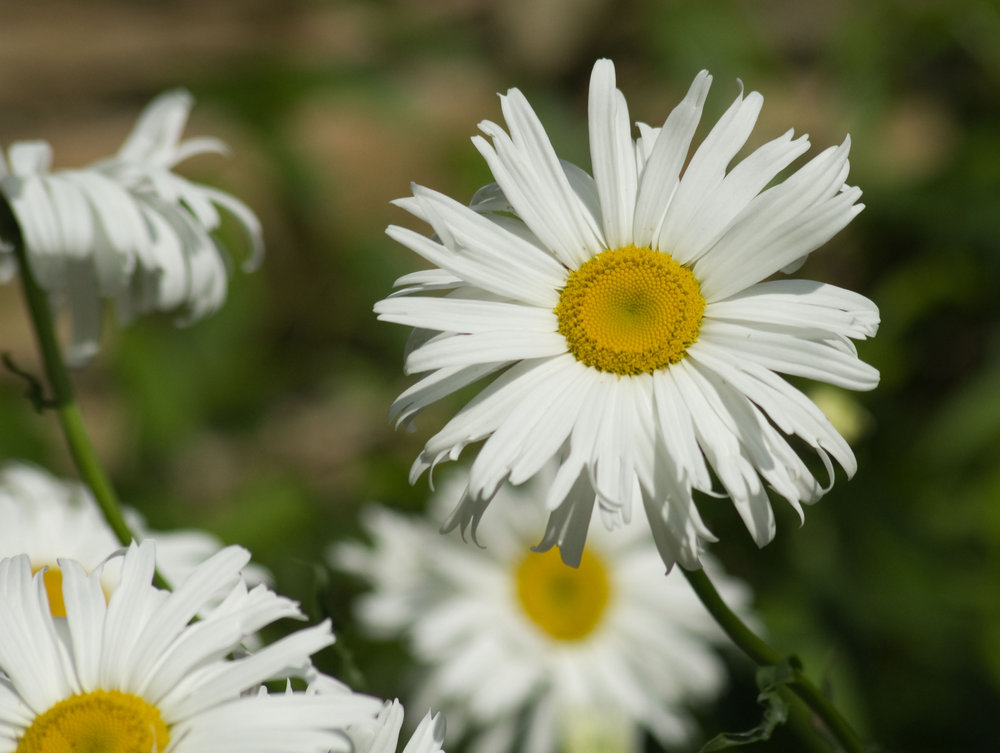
{"x":763,"y":655}
{"x":66,"y":407}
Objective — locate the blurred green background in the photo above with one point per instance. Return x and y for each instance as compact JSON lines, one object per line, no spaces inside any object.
{"x":266,"y":423}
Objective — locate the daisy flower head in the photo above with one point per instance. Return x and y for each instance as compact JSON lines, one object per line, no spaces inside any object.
{"x":127,"y":228}
{"x":49,"y":519}
{"x":522,"y":651}
{"x":134,"y":673}
{"x":628,"y":321}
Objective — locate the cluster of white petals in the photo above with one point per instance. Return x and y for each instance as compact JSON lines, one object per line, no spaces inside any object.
{"x":383,"y":737}
{"x":49,"y":519}
{"x":146,"y":643}
{"x":503,"y":681}
{"x":127,"y":228}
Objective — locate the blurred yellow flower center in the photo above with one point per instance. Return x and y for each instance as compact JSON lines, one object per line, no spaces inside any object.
{"x":103,"y":721}
{"x":630,"y":310}
{"x":565,"y":602}
{"x":53,"y":588}
{"x":53,"y":579}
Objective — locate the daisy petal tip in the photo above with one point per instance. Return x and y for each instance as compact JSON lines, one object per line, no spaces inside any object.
{"x":439,"y":727}
{"x":603,"y":72}
{"x":417,"y":469}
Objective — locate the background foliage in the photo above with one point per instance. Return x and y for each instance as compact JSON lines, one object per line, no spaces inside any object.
{"x":267,"y":423}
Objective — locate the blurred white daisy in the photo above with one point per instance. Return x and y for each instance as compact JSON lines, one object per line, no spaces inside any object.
{"x":135,"y":673}
{"x":126,"y":228}
{"x":383,"y":737}
{"x":510,"y":639}
{"x":628,"y":319}
{"x":48,"y":519}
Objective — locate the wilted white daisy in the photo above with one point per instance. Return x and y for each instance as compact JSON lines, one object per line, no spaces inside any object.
{"x":581,"y":658}
{"x":126,"y":228}
{"x":50,"y":519}
{"x":384,"y":736}
{"x":134,"y":673}
{"x":629,"y":322}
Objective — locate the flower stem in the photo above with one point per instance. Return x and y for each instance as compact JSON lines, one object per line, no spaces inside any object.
{"x":66,"y":407}
{"x":763,"y":655}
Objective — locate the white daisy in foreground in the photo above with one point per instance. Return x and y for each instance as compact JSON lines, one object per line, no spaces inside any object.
{"x":49,"y":519}
{"x":579,"y":658}
{"x":629,"y":322}
{"x":126,"y":228}
{"x":134,"y":673}
{"x":384,"y":736}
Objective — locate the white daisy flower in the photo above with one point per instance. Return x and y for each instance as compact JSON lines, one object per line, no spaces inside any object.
{"x":49,"y":519}
{"x":629,"y":322}
{"x":510,"y":639}
{"x":384,"y":736}
{"x":126,"y":228}
{"x":133,"y":673}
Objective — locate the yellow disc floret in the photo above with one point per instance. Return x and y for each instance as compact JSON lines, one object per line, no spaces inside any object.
{"x":102,"y":721}
{"x":566,"y":603}
{"x":630,"y":310}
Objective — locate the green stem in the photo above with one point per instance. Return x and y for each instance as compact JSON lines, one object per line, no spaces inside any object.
{"x":66,"y":407}
{"x":763,"y":655}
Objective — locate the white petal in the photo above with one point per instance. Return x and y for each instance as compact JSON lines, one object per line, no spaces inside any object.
{"x":711,"y":219}
{"x":530,"y":434}
{"x":612,"y":154}
{"x":30,"y":158}
{"x":746,"y":256}
{"x":85,"y":608}
{"x":532,"y":178}
{"x":660,"y":175}
{"x":435,"y":386}
{"x":789,"y":409}
{"x":75,"y":224}
{"x":705,"y":172}
{"x":790,"y":355}
{"x":487,"y":410}
{"x":492,"y":275}
{"x":130,"y":607}
{"x":190,"y":597}
{"x":780,"y":209}
{"x":246,"y":219}
{"x":158,"y":128}
{"x":465,"y":316}
{"x":426,"y":280}
{"x":224,"y":681}
{"x":677,"y":429}
{"x":36,"y":218}
{"x":800,"y":305}
{"x":718,"y":437}
{"x":568,"y":524}
{"x":30,"y":652}
{"x":486,"y":347}
{"x":118,"y":216}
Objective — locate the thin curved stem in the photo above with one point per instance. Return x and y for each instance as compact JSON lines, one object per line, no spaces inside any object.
{"x":66,"y":407}
{"x":763,"y":655}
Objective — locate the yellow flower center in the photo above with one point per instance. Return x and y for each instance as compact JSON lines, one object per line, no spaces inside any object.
{"x":565,"y":602}
{"x":630,"y":310}
{"x":53,"y":579}
{"x":102,"y":721}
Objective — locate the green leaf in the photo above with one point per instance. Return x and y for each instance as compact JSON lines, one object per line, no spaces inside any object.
{"x":770,"y":681}
{"x":35,"y":392}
